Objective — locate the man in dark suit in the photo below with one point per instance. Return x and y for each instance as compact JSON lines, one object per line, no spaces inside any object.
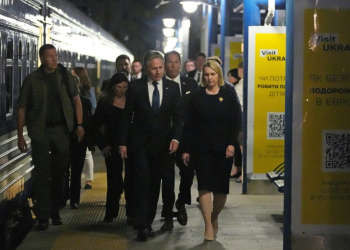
{"x":154,"y":106}
{"x":187,"y":87}
{"x":122,"y":64}
{"x":199,"y":61}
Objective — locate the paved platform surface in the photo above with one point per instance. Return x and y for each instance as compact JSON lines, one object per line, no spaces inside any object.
{"x":248,"y":222}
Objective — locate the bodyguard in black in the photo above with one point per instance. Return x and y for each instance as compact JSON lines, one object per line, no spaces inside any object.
{"x":154,"y":106}
{"x":46,"y":107}
{"x":188,"y":87}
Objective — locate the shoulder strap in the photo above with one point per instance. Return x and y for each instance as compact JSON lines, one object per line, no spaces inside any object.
{"x":66,"y":82}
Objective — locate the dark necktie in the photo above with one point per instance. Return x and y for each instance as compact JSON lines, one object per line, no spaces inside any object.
{"x":155,"y":98}
{"x":199,"y":77}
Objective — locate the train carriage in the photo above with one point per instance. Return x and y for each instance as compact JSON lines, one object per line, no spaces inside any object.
{"x":24,"y":26}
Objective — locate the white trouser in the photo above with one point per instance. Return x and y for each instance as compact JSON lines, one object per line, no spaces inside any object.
{"x":88,"y":166}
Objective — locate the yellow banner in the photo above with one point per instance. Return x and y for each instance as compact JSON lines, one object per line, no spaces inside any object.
{"x":269,"y":101}
{"x":217,"y":52}
{"x":326,"y":124}
{"x":236,"y":55}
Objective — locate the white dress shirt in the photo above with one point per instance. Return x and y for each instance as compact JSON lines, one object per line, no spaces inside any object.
{"x":239,"y":91}
{"x":151,"y":89}
{"x":196,"y":76}
{"x":177,"y":80}
{"x":137,"y":76}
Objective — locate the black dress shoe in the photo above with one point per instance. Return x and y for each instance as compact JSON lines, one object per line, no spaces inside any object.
{"x":151,"y":233}
{"x":56,"y":219}
{"x":88,"y":186}
{"x":167,"y":225}
{"x":109,"y":218}
{"x":129,"y":221}
{"x":142,"y":234}
{"x":42,"y":225}
{"x":74,"y":206}
{"x":181,"y":213}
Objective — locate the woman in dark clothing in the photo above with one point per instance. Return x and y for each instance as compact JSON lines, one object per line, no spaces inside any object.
{"x":78,"y":150}
{"x":106,"y":123}
{"x":209,"y":135}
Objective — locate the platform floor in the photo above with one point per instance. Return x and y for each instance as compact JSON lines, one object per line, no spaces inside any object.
{"x":248,"y":222}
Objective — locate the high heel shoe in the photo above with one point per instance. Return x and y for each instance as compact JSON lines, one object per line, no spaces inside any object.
{"x":236,"y":175}
{"x":208,"y":236}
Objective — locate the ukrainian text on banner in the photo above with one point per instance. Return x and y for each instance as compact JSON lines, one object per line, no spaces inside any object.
{"x":326,"y":123}
{"x":266,"y":99}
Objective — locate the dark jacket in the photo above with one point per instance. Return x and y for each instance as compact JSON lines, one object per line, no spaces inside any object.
{"x":213,"y":122}
{"x":192,"y":73}
{"x":33,"y":96}
{"x":149,"y":129}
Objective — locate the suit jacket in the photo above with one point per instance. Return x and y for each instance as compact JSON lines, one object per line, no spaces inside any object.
{"x":213,"y":122}
{"x":192,"y":73}
{"x":188,"y":87}
{"x":154,"y":131}
{"x":237,"y":103}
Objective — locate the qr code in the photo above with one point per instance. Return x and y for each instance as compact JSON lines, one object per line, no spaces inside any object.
{"x":275,"y":125}
{"x":336,"y":151}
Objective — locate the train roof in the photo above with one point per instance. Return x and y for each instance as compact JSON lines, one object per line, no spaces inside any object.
{"x":86,"y":28}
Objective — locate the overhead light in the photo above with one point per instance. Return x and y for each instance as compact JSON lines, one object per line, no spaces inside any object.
{"x":172,"y":41}
{"x":169,"y":22}
{"x":189,"y":6}
{"x":168,"y":32}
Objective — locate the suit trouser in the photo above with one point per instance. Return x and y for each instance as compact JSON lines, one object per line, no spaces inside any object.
{"x":50,"y":155}
{"x":186,"y":181}
{"x":129,"y":186}
{"x":77,"y":159}
{"x":114,"y":166}
{"x":150,"y":169}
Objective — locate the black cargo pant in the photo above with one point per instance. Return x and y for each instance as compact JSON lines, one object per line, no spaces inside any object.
{"x":50,"y":155}
{"x":77,"y":159}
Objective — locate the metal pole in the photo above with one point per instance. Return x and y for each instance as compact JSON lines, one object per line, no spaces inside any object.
{"x":251,"y":17}
{"x":222,"y":31}
{"x":44,"y":26}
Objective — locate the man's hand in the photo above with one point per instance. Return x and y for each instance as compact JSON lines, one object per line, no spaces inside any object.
{"x":22,"y":144}
{"x":80,"y":133}
{"x":123,"y":152}
{"x":173,"y":146}
{"x":186,"y":158}
{"x":230,"y":150}
{"x":106,"y":151}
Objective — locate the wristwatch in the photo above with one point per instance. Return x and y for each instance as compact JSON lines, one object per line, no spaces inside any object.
{"x":79,"y":125}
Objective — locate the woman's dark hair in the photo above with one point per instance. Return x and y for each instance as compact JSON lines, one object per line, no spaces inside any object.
{"x":234,"y":73}
{"x":109,"y":93}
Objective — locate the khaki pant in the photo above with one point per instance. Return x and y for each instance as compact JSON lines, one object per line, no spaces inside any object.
{"x":50,"y":155}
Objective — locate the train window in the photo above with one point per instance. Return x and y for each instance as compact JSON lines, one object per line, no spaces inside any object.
{"x":20,"y":75}
{"x":9,"y":76}
{"x":20,"y":50}
{"x":8,"y":86}
{"x":34,"y":56}
{"x":69,"y":65}
{"x":9,"y":54}
{"x":27,"y":58}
